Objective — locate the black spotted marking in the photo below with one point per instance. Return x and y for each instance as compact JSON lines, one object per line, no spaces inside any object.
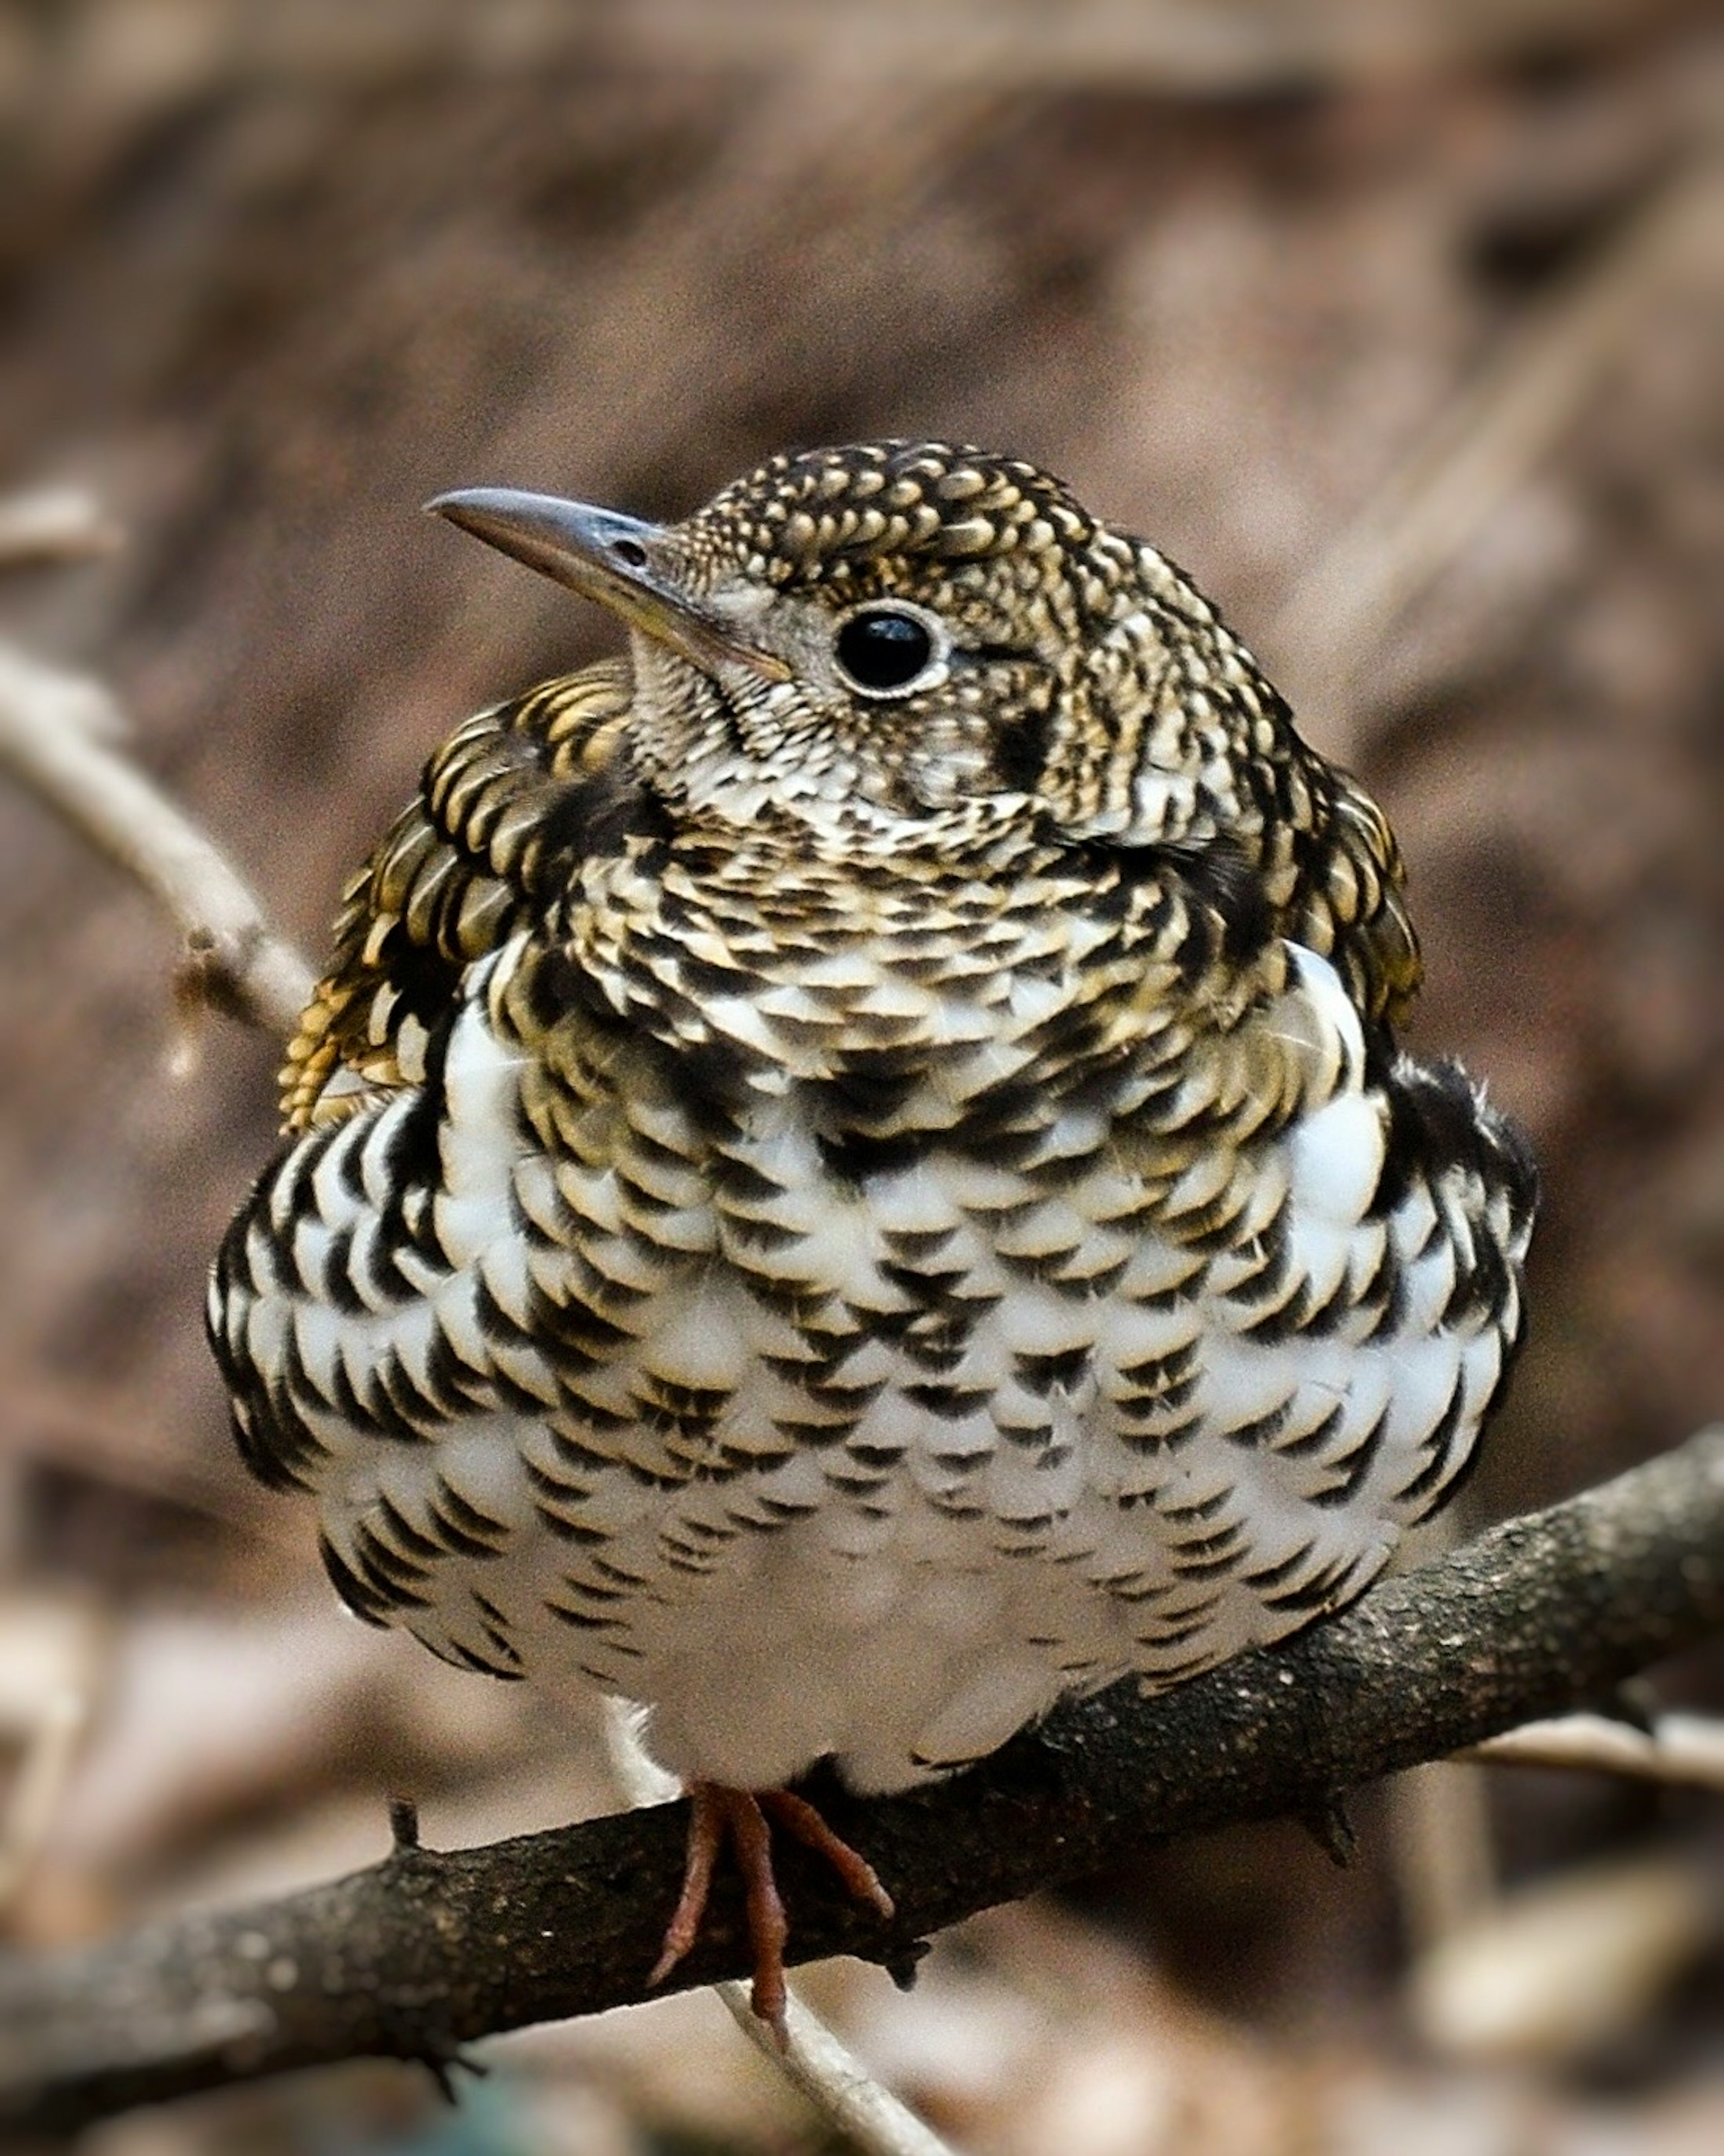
{"x":1322,"y":1317}
{"x":1436,"y":1121}
{"x":1314,"y":1439}
{"x":571,"y":1452}
{"x":349,"y":1150}
{"x":549,"y":1491}
{"x":934,"y":1292}
{"x":1321,"y":1591}
{"x":1020,"y":744}
{"x":704,"y":978}
{"x":852,"y":1399}
{"x":1039,"y":1374}
{"x":1044,"y":1267}
{"x":388,"y":1569}
{"x":495,"y":1627}
{"x":1441,"y":1444}
{"x":1167,"y":1439}
{"x":553,"y":984}
{"x":746,"y":1231}
{"x":507,"y":1392}
{"x":587,"y":1621}
{"x":445,"y":1511}
{"x":1162,"y":1395}
{"x":451,"y":1377}
{"x":298,"y":1388}
{"x":589,"y":1590}
{"x":709,"y":1081}
{"x":1352,"y":1470}
{"x":1199,"y":1508}
{"x":565,"y":1529}
{"x":1270,"y":1270}
{"x":936,"y":1343}
{"x":1170,"y":1376}
{"x":413,"y":1157}
{"x":414,"y":1414}
{"x":1137,"y":1588}
{"x":1482,"y":1288}
{"x":1270,"y":1328}
{"x":1227,"y":888}
{"x":1393,"y":1296}
{"x":1212,"y":1560}
{"x":1277,"y":1574}
{"x":1262,"y":1431}
{"x":1089,"y":1284}
{"x":876,"y":1456}
{"x":278,"y":1449}
{"x":594,"y":818}
{"x":1031,"y":1438}
{"x":869,"y":1086}
{"x":784,"y":1510}
{"x":815,"y":1436}
{"x":1173,"y":1634}
{"x":413,"y":1544}
{"x":856,"y":1156}
{"x":364,"y":1599}
{"x":1208,"y":1227}
{"x":608,"y":1568}
{"x":695,"y":1407}
{"x":1176,"y":1297}
{"x":335,"y":1284}
{"x":573,"y":1336}
{"x":741,"y":1182}
{"x":713,"y":1532}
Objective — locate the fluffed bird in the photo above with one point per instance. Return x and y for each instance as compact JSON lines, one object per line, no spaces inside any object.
{"x":851,"y":1175}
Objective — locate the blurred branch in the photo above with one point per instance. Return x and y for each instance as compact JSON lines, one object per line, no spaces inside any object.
{"x":426,"y":1952}
{"x":58,"y":740}
{"x":58,"y":524}
{"x":1190,"y":47}
{"x":1680,"y":1750}
{"x":1487,"y":442}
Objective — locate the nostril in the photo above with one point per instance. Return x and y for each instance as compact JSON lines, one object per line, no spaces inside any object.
{"x":630,"y":553}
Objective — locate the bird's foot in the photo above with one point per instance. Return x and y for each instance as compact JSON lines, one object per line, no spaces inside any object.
{"x":740,"y":1817}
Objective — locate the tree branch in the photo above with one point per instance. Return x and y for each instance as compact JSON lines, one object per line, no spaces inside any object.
{"x":425,"y":1952}
{"x":58,"y":733}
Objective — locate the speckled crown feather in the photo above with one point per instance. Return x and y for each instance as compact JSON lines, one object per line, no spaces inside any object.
{"x":807,"y":515}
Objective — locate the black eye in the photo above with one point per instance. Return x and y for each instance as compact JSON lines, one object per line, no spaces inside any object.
{"x":884,"y":647}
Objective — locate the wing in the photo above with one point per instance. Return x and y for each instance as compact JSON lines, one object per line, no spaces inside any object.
{"x":505,"y":807}
{"x":320,"y":1311}
{"x":1348,"y":901}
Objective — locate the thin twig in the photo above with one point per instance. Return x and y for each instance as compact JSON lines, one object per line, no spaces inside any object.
{"x":1485,"y":443}
{"x":58,"y":733}
{"x":1682,"y":1750}
{"x":426,"y":1952}
{"x":56,"y":523}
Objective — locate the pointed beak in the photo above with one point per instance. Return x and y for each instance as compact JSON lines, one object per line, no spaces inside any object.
{"x":617,"y":559}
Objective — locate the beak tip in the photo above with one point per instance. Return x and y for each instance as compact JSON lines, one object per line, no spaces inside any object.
{"x":449,"y":505}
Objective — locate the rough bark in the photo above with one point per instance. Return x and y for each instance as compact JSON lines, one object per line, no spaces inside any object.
{"x":427,"y":1950}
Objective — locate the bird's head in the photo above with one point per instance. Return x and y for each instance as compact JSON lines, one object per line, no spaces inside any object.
{"x":900,"y":640}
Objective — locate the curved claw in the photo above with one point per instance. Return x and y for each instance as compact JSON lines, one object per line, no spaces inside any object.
{"x":740,"y":1817}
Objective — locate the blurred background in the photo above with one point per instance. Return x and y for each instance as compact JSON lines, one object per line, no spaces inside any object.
{"x":1402,"y":327}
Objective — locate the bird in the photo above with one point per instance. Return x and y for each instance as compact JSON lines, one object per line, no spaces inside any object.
{"x":852,"y":1175}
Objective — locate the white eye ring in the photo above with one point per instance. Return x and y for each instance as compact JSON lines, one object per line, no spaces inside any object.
{"x":889,"y":648}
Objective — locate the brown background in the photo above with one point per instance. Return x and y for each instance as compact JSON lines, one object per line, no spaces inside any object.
{"x":1308,"y":296}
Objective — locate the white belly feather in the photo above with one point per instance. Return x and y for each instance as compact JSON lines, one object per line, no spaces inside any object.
{"x":1189,"y":1481}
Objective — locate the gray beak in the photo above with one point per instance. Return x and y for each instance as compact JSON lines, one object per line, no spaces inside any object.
{"x":618,"y":561}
